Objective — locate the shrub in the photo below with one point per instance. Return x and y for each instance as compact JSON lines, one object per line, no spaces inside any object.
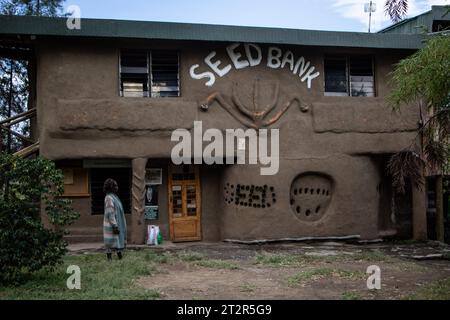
{"x":26,"y":246}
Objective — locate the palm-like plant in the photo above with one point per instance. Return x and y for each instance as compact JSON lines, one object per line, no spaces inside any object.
{"x":396,"y":9}
{"x":424,"y":78}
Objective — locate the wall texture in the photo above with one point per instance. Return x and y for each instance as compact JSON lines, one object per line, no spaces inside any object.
{"x":80,"y":115}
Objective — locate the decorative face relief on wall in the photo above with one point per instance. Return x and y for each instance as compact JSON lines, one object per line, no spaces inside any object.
{"x":251,"y":55}
{"x":311,"y":196}
{"x":251,"y":196}
{"x":264,"y":111}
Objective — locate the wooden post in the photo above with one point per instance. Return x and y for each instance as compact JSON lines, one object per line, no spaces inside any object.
{"x":138,"y":201}
{"x":32,"y":97}
{"x":439,"y":209}
{"x":419,"y":209}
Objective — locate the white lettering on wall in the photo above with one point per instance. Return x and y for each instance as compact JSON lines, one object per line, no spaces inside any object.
{"x":235,"y":56}
{"x":254,"y":61}
{"x":253,"y":57}
{"x":274,"y":59}
{"x":207,"y":74}
{"x":215,"y":65}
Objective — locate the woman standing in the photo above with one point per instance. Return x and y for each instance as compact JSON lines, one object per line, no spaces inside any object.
{"x":114,"y":223}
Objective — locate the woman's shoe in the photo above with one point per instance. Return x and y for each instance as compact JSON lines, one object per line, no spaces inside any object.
{"x":119,"y":255}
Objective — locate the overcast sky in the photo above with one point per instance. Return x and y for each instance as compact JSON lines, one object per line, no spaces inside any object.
{"x":342,"y":15}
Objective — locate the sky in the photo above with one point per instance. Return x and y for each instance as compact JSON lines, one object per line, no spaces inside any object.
{"x":335,"y":15}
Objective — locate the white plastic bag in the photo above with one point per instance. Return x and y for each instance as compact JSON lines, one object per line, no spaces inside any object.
{"x":152,"y":235}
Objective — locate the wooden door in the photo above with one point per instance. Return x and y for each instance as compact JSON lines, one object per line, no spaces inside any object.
{"x":184,"y":203}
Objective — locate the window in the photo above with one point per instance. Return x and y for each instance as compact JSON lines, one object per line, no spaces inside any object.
{"x":97,"y":179}
{"x":351,"y":76}
{"x":361,"y":77}
{"x":134,"y":74}
{"x":165,"y":79}
{"x":440,"y":25}
{"x":149,"y":74}
{"x":336,"y":77}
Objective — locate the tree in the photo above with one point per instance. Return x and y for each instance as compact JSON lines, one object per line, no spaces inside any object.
{"x":14,"y":78}
{"x":48,"y":8}
{"x":396,"y":9}
{"x":424,"y":79}
{"x":26,"y":245}
{"x":14,"y":87}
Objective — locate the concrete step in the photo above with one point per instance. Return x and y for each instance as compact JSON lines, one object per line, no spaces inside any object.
{"x":85,"y":230}
{"x":84,"y":238}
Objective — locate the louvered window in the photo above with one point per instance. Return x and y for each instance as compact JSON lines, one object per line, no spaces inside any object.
{"x":349,"y":76}
{"x":149,"y":73}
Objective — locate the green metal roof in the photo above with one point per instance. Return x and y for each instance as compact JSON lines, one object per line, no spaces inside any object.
{"x":415,"y":24}
{"x":44,"y":26}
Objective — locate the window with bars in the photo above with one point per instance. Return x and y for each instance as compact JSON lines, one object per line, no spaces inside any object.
{"x":349,"y":76}
{"x":134,"y":74}
{"x":149,"y":73}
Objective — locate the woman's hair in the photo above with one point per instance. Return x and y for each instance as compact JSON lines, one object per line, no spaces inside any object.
{"x":110,"y":186}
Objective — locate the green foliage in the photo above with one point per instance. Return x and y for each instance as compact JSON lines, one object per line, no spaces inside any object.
{"x":438,"y":290}
{"x":14,"y":79}
{"x":396,"y":9}
{"x":14,"y":88}
{"x":48,"y":8}
{"x":424,"y":79}
{"x":25,"y":245}
{"x":100,"y":279}
{"x":424,"y":76}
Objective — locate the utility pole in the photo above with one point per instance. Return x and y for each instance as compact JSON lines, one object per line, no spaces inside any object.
{"x":370,"y":7}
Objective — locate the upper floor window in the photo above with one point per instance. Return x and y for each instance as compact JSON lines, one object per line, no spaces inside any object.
{"x":149,"y":73}
{"x":349,"y":76}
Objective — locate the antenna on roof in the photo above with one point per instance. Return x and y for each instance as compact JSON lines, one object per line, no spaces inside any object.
{"x":370,"y":7}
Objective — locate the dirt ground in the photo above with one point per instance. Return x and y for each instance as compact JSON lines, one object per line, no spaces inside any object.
{"x":328,"y":270}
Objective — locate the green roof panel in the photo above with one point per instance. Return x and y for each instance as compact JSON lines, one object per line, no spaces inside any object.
{"x":44,"y":26}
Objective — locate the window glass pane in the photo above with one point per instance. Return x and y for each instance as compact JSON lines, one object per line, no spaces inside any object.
{"x":191,"y":198}
{"x":361,"y":77}
{"x":177,"y":201}
{"x":183,"y":173}
{"x":335,"y":75}
{"x":165,"y":74}
{"x":134,"y":74}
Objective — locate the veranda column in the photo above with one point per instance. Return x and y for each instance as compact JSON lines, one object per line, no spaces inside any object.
{"x":138,"y":201}
{"x":419,"y":212}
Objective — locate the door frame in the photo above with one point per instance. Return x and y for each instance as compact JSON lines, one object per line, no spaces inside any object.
{"x":198,"y":199}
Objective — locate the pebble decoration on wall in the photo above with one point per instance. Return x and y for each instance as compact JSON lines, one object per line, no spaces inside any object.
{"x":311,"y":196}
{"x":250,"y":196}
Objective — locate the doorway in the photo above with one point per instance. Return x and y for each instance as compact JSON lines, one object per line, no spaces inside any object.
{"x":184,"y":203}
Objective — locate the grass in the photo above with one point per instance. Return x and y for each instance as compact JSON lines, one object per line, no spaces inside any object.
{"x":321,"y":273}
{"x":247,"y":287}
{"x":438,"y":290}
{"x":100,"y":279}
{"x":188,"y":256}
{"x":299,"y":260}
{"x":103,"y":280}
{"x":309,"y":275}
{"x":217,"y":264}
{"x":351,"y":296}
{"x":200,"y":260}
